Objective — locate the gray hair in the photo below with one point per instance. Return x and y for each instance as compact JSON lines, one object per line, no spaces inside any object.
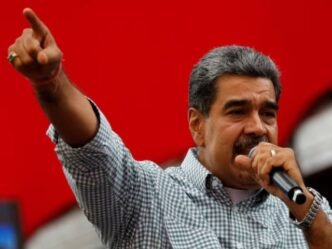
{"x":228,"y":60}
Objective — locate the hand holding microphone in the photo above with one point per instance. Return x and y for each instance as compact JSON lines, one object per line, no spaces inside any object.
{"x":284,"y":182}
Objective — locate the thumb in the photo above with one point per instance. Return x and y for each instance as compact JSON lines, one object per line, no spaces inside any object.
{"x":243,"y":161}
{"x":49,"y":55}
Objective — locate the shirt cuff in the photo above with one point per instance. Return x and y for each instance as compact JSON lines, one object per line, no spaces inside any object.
{"x":93,"y":147}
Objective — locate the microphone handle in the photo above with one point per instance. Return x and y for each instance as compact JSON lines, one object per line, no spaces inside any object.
{"x":285,"y":183}
{"x":288,"y":186}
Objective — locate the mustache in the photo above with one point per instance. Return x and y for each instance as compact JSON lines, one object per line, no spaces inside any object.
{"x":248,"y":142}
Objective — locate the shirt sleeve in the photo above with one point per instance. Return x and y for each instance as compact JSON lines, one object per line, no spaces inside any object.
{"x":108,"y":183}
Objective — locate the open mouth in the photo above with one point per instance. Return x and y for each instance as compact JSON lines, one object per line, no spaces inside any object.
{"x":243,"y":151}
{"x":247,"y":150}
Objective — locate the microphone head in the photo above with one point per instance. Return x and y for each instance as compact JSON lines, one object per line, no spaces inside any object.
{"x":251,"y":152}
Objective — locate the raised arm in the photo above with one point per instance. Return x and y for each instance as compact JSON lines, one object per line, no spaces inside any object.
{"x":36,"y":56}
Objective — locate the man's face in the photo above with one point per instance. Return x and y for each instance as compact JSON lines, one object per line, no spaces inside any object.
{"x":243,"y":114}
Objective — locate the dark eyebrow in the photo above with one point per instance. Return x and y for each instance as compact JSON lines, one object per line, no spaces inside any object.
{"x":271,"y":105}
{"x":243,"y":102}
{"x":235,"y":103}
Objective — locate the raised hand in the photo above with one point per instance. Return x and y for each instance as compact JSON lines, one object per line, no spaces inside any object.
{"x":35,"y":53}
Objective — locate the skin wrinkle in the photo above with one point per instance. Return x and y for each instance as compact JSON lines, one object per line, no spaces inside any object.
{"x":228,"y":132}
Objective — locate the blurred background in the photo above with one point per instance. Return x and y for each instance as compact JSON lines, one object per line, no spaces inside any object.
{"x":134,"y":59}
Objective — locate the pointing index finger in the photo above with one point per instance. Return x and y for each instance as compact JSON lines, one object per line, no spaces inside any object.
{"x":38,"y":27}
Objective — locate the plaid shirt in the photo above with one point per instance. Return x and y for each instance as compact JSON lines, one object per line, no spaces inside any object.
{"x":136,"y":204}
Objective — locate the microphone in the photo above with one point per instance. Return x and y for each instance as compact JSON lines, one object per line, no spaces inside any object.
{"x":285,"y":183}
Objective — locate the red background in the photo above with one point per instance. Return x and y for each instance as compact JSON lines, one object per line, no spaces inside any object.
{"x":134,"y":59}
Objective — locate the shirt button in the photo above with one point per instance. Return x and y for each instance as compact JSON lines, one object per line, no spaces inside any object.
{"x":235,"y":208}
{"x":214,"y":183}
{"x":239,"y":245}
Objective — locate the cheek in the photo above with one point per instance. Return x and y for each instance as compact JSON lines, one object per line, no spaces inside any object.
{"x":273,"y":135}
{"x":226,"y":138}
{"x":221,"y":136}
{"x":231,"y":133}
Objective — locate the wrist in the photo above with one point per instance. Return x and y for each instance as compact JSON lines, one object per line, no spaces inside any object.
{"x":308,"y":218}
{"x":51,"y":78}
{"x":51,"y":90}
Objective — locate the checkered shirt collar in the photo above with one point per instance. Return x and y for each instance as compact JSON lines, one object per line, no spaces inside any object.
{"x":200,"y":176}
{"x":194,"y":170}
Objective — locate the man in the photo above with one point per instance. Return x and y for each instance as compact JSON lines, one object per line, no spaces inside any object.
{"x":218,"y":197}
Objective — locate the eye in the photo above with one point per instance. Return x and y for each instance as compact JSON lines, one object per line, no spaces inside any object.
{"x":269,"y":113}
{"x":237,"y":112}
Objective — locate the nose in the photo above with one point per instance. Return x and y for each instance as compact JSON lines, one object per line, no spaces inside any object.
{"x":255,"y":125}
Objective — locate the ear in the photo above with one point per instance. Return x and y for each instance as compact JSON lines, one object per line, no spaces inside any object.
{"x":196,"y":121}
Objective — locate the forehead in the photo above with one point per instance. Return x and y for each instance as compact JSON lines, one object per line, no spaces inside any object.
{"x":244,"y":87}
